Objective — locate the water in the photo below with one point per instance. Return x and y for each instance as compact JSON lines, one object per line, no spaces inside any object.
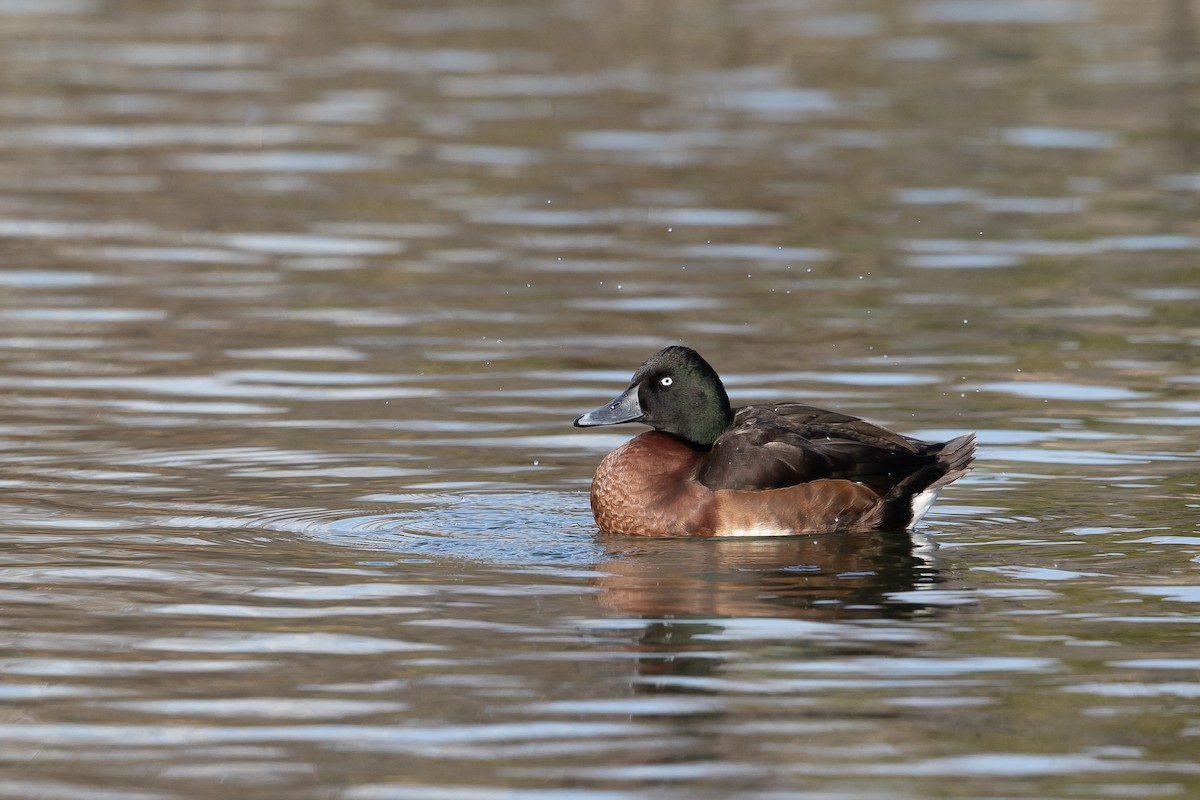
{"x":298,"y":300}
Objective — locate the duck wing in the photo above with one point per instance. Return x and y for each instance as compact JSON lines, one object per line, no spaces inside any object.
{"x":775,"y":445}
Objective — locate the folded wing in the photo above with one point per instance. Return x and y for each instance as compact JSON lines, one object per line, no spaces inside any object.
{"x":782,"y":444}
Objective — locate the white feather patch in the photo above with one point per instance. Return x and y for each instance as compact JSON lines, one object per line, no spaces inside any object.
{"x":760,"y":529}
{"x":921,"y":504}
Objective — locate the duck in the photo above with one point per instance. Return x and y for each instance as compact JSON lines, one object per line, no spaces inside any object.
{"x":707,"y":469}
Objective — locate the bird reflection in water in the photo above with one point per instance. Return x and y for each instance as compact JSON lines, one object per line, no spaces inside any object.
{"x":684,"y":588}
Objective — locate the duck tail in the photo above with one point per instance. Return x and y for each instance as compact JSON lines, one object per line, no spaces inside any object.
{"x":908,"y":500}
{"x":955,"y":458}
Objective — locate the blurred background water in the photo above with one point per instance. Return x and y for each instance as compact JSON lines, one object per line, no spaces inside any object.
{"x":298,"y":299}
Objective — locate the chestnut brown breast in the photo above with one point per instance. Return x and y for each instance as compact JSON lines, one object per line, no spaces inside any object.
{"x":648,"y":487}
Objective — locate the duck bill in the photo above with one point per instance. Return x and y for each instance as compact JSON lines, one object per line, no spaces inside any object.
{"x":623,"y":408}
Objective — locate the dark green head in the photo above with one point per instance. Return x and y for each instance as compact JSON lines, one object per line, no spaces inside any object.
{"x":675,"y":392}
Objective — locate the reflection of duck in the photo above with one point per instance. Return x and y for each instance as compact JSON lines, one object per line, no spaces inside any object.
{"x":781,"y":468}
{"x":821,"y":577}
{"x":689,"y":592}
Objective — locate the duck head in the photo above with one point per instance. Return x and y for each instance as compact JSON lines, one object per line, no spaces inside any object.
{"x":676,"y":392}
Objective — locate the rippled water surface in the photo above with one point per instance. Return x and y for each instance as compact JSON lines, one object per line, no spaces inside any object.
{"x":298,"y":300}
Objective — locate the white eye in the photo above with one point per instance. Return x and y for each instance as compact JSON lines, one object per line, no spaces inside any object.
{"x":666,"y":381}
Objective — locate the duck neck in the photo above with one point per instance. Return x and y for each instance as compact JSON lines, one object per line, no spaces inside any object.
{"x":705,"y":428}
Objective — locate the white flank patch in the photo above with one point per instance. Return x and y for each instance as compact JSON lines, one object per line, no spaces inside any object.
{"x":761,"y":529}
{"x":921,"y":504}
